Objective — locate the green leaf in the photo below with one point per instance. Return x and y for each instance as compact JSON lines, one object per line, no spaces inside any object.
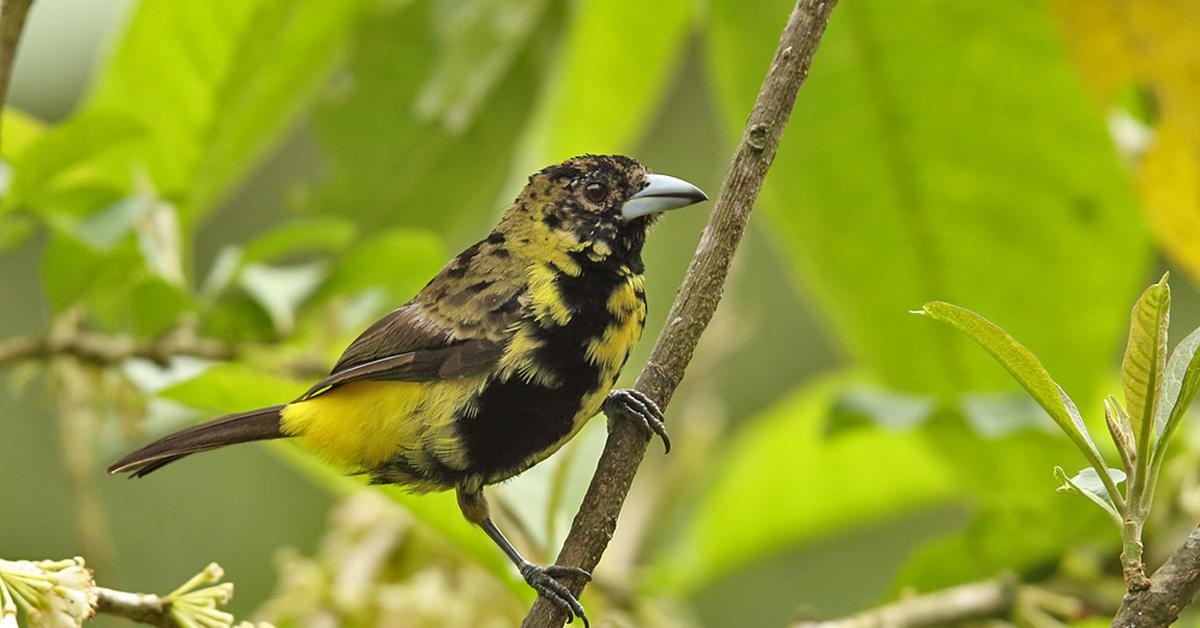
{"x":887,"y":409}
{"x":75,"y":144}
{"x":280,"y":290}
{"x":420,"y":172}
{"x":594,"y":74}
{"x":781,"y":484}
{"x":922,"y":162}
{"x":21,"y":131}
{"x":324,"y":233}
{"x":1121,"y":431}
{"x":1024,"y":367}
{"x":398,"y":260}
{"x":1180,"y":383}
{"x":215,"y":82}
{"x":107,"y":227}
{"x":1146,"y":358}
{"x":114,"y":283}
{"x":479,"y":40}
{"x":233,"y":388}
{"x":1087,"y":483}
{"x":995,"y":415}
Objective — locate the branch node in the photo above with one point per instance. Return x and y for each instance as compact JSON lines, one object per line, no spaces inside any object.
{"x":757,"y":139}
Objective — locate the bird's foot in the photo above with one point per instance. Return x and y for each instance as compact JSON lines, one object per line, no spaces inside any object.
{"x":542,"y":579}
{"x":635,"y":405}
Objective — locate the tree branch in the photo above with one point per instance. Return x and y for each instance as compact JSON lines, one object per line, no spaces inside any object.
{"x":1001,"y":597}
{"x":104,"y":350}
{"x":144,"y":608}
{"x":1172,"y":589}
{"x":978,"y":600}
{"x":698,"y":295}
{"x":12,"y":22}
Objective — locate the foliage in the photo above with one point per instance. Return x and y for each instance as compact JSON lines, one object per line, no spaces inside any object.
{"x":1141,"y":429}
{"x":1140,"y":61}
{"x":275,"y":174}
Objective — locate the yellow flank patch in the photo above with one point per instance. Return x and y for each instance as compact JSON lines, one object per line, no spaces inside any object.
{"x":365,"y":424}
{"x":629,"y":310}
{"x":544,"y":295}
{"x":626,"y":298}
{"x":610,"y":350}
{"x":520,"y":358}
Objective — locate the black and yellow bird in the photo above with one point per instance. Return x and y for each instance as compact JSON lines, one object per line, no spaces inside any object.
{"x":497,"y":362}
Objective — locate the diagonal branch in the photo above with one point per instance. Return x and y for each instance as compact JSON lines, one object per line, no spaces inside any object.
{"x":698,"y":296}
{"x":12,"y":21}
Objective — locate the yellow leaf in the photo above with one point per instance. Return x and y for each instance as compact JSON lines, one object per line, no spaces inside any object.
{"x":1170,"y":185}
{"x":1152,"y":46}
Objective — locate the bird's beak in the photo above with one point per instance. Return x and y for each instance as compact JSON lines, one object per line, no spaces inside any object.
{"x":660,"y":194}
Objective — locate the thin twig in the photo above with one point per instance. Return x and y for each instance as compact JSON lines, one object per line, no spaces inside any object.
{"x":105,"y":350}
{"x":978,"y":600}
{"x":1002,"y":597}
{"x":12,"y":22}
{"x":75,"y":395}
{"x":144,"y":608}
{"x":698,"y":296}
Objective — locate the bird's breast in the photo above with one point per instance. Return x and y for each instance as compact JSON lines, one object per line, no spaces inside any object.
{"x":557,"y":370}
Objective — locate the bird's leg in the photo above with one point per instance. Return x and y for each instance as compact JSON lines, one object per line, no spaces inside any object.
{"x":635,"y":405}
{"x":475,"y":508}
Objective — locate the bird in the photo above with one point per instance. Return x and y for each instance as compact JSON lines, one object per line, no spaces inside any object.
{"x":495,"y":364}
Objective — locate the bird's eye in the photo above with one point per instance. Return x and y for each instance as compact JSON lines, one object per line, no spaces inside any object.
{"x":596,"y":192}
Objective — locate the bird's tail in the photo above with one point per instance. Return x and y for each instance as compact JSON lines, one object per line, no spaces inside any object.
{"x":261,"y":424}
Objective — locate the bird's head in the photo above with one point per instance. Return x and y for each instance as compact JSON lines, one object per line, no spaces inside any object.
{"x":595,"y":203}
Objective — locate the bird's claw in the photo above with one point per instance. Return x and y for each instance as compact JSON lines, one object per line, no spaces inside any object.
{"x":635,"y":405}
{"x":543,"y":581}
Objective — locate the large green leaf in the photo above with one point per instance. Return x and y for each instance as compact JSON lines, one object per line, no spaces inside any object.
{"x":610,"y":55}
{"x":1146,"y":358}
{"x":113,"y":279}
{"x":215,"y":81}
{"x":1024,"y":366}
{"x":400,"y":261}
{"x":943,"y":150}
{"x":62,"y":151}
{"x":478,"y":41}
{"x":393,"y":162}
{"x":782,"y":484}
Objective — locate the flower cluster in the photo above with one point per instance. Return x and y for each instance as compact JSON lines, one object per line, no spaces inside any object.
{"x":53,"y":594}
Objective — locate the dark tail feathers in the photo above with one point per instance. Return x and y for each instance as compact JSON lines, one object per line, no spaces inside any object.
{"x":261,"y":424}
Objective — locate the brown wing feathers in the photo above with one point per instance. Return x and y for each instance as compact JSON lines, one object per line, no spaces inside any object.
{"x":460,"y":360}
{"x":451,"y":329}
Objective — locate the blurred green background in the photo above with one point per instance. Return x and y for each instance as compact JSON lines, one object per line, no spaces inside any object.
{"x":274,"y":174}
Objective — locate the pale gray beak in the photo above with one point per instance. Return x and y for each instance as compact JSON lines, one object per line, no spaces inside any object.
{"x":660,"y":194}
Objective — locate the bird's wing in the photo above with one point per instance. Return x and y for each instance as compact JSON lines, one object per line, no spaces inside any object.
{"x":458,"y":326}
